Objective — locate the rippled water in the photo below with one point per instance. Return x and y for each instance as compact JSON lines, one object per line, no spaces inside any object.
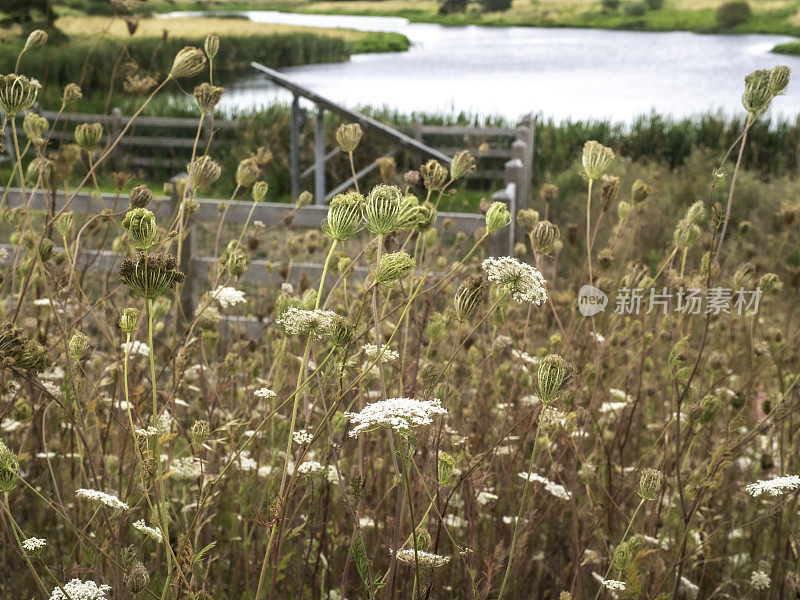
{"x":561,"y":73}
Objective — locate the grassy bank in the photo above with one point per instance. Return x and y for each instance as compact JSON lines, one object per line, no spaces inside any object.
{"x":778,"y":17}
{"x":154,"y":45}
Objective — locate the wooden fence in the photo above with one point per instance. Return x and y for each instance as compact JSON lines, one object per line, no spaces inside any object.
{"x":200,"y":267}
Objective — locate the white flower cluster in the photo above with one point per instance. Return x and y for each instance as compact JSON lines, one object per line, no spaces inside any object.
{"x":556,"y":489}
{"x":81,"y":590}
{"x":424,"y":558}
{"x":186,"y":469}
{"x":774,"y":487}
{"x":371,"y":351}
{"x":760,"y":580}
{"x":135,"y":347}
{"x":310,"y":467}
{"x":33,"y":544}
{"x":108,"y":500}
{"x":149,"y":432}
{"x":524,"y":282}
{"x":313,"y":323}
{"x":614,"y":584}
{"x":228,"y":296}
{"x":612,"y":407}
{"x":400,"y":414}
{"x":264,"y":393}
{"x":148,"y":531}
{"x":302,"y":437}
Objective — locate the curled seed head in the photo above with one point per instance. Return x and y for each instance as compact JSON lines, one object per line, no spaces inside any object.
{"x":434,"y":175}
{"x":203,"y":172}
{"x":549,"y":193}
{"x":462,"y":165}
{"x":770,"y":283}
{"x":188,"y":62}
{"x":140,"y":196}
{"x":129,"y":319}
{"x":207,"y":96}
{"x":248,"y":172}
{"x":382,"y":209}
{"x":342,"y":332}
{"x":72,"y":93}
{"x":36,"y":39}
{"x":78,"y":344}
{"x":596,"y":159}
{"x":640,"y":191}
{"x":468,"y":297}
{"x":779,"y":79}
{"x":649,"y":484}
{"x":88,"y":135}
{"x":65,"y":223}
{"x":9,"y":469}
{"x":211,"y":46}
{"x":140,"y":224}
{"x":391,"y":267}
{"x":348,"y":136}
{"x":446,"y":468}
{"x":497,"y":217}
{"x":17,"y":93}
{"x":199,"y":432}
{"x":137,"y":579}
{"x":544,"y":236}
{"x":609,"y":190}
{"x":554,"y":374}
{"x":259,"y":191}
{"x":344,"y":218}
{"x":527,"y":219}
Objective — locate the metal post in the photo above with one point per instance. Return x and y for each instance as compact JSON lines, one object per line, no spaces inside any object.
{"x":319,"y":156}
{"x":294,"y":148}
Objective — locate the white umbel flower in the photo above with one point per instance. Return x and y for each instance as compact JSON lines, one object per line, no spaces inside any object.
{"x":556,"y":489}
{"x":760,"y":580}
{"x":371,"y":351}
{"x":81,"y":590}
{"x":148,"y":531}
{"x":146,"y":433}
{"x":524,"y":282}
{"x":186,"y":469}
{"x":228,"y":296}
{"x":136,"y":347}
{"x":312,"y":323}
{"x":400,"y":414}
{"x":108,"y":500}
{"x":302,"y":437}
{"x":310,"y":467}
{"x":774,"y":487}
{"x":264,"y":393}
{"x":425,"y":559}
{"x":614,"y":584}
{"x":34,"y":545}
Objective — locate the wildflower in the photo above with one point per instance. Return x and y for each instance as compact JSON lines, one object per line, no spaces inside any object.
{"x":434,"y":175}
{"x":779,"y":79}
{"x":342,"y":332}
{"x":391,"y":267}
{"x":188,"y":62}
{"x":140,"y":224}
{"x":36,"y":39}
{"x":137,"y":579}
{"x":344,"y":216}
{"x":34,"y":545}
{"x":524,"y":282}
{"x":757,"y":92}
{"x":109,"y":500}
{"x":425,"y":559}
{"x":259,"y":194}
{"x":72,"y":93}
{"x":77,"y":589}
{"x":310,"y":467}
{"x":264,"y":393}
{"x":400,"y":414}
{"x":148,"y":531}
{"x":129,"y":320}
{"x":649,"y":484}
{"x":312,"y":323}
{"x":203,"y":172}
{"x":150,"y":275}
{"x":88,"y":135}
{"x":382,"y":209}
{"x":556,"y":489}
{"x":302,"y":437}
{"x":17,"y":93}
{"x":445,"y":467}
{"x":595,"y":159}
{"x":770,"y":283}
{"x":186,"y":469}
{"x":554,"y":373}
{"x":462,"y":165}
{"x":486,"y":497}
{"x":146,"y":433}
{"x":372,"y":352}
{"x":40,"y":168}
{"x":468,"y":297}
{"x":760,"y":580}
{"x":774,"y":487}
{"x":348,"y":136}
{"x":544,"y":235}
{"x":228,"y":296}
{"x":614,"y":584}
{"x":640,"y":191}
{"x":497,"y":217}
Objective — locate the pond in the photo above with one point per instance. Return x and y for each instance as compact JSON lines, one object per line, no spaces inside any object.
{"x":559,"y":73}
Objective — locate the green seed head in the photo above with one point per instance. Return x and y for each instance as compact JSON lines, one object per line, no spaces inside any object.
{"x":203,"y":172}
{"x":344,"y":218}
{"x":392,"y":267}
{"x":259,"y":191}
{"x":446,"y":468}
{"x":199,"y":432}
{"x":78,"y":345}
{"x":348,"y":136}
{"x":140,"y":196}
{"x":462,"y":165}
{"x":640,"y":191}
{"x":188,"y":62}
{"x":434,"y":175}
{"x":544,"y":236}
{"x":140,"y":224}
{"x":9,"y":469}
{"x":129,"y":320}
{"x":248,"y":172}
{"x":649,"y":484}
{"x":553,"y":375}
{"x":757,"y":92}
{"x":382,"y":209}
{"x":779,"y":79}
{"x":342,"y":332}
{"x":17,"y":93}
{"x":65,"y":223}
{"x":596,"y":159}
{"x":88,"y":135}
{"x":497,"y":217}
{"x":468,"y":297}
{"x":770,"y":284}
{"x":211,"y":46}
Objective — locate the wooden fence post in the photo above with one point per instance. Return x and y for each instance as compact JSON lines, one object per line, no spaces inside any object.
{"x":527,"y":134}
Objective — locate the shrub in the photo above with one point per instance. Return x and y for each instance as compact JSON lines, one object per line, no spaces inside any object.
{"x":496,"y":5}
{"x":732,"y":14}
{"x":611,"y":5}
{"x":655,"y":4}
{"x":449,"y":7}
{"x":636,"y":9}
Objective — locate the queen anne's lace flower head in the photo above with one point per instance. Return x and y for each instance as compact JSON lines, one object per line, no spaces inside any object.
{"x":524,"y":282}
{"x":148,"y":531}
{"x":760,"y":580}
{"x":425,"y":559}
{"x":774,"y":487}
{"x":81,"y":590}
{"x":108,"y":500}
{"x":400,"y":414}
{"x":311,"y":323}
{"x":556,"y":489}
{"x":264,"y":393}
{"x":34,"y":545}
{"x":372,"y":352}
{"x":614,"y":584}
{"x":228,"y":296}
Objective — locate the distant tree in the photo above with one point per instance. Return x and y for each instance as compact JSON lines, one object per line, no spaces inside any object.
{"x":27,"y":11}
{"x":654,"y":4}
{"x":496,"y":5}
{"x":449,"y":7}
{"x":732,"y":14}
{"x":610,"y":5}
